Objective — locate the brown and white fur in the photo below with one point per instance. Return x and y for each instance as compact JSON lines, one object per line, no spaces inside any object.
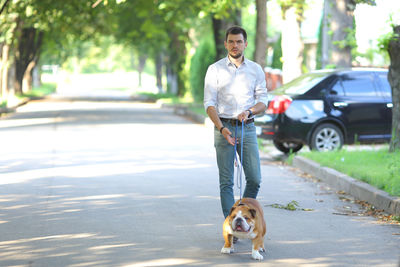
{"x":245,"y":221}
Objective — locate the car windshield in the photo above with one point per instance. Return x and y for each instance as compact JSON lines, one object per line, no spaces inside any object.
{"x":301,"y":84}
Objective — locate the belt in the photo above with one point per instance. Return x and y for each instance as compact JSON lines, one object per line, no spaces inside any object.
{"x":233,"y":121}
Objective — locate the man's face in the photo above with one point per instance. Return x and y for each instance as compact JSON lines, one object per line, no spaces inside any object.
{"x":235,"y":44}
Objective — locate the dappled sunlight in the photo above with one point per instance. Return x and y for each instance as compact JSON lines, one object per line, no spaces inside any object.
{"x":58,"y":247}
{"x":96,"y":170}
{"x":162,"y":262}
{"x":29,"y":122}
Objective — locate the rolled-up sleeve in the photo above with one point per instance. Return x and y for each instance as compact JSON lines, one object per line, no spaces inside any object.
{"x":260,"y":92}
{"x":210,"y":87}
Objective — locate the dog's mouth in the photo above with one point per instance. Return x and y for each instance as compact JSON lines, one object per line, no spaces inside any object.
{"x":239,"y":228}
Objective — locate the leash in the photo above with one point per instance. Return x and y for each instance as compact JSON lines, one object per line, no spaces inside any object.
{"x":239,"y":164}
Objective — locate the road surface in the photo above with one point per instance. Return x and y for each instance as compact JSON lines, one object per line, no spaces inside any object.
{"x":118,"y":183}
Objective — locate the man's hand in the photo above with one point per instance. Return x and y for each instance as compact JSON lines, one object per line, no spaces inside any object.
{"x":228,"y":136}
{"x":243,"y":116}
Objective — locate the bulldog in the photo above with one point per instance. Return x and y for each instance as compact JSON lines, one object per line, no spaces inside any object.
{"x":246,"y":220}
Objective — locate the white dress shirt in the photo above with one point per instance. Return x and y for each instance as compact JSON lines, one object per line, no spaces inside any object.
{"x":232,"y":90}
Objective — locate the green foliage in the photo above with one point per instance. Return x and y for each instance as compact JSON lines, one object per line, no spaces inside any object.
{"x":249,"y":20}
{"x":299,"y":5}
{"x":385,"y":39}
{"x":319,"y":45}
{"x":277,"y":55}
{"x":292,"y":206}
{"x":203,"y":57}
{"x":349,"y":41}
{"x":42,"y":90}
{"x":3,"y":103}
{"x":101,"y":56}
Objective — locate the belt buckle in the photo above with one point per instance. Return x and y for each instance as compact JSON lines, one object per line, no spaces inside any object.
{"x":239,"y":123}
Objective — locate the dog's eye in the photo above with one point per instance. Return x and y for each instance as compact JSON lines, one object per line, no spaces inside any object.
{"x":247,"y":218}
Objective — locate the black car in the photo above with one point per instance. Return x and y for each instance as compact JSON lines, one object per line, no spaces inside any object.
{"x":328,"y":108}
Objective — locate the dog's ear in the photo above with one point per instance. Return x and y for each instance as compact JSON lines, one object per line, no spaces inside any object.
{"x":253,"y":213}
{"x":232,"y":209}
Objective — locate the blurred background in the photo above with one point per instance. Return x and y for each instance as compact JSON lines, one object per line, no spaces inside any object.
{"x":163,"y":47}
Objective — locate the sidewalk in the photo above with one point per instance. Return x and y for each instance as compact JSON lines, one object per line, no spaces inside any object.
{"x":339,"y":181}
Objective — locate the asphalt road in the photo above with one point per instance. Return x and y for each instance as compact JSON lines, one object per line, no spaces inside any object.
{"x":106,"y":183}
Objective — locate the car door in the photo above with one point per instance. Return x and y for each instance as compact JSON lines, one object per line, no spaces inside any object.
{"x":386,"y":92}
{"x":354,"y":97}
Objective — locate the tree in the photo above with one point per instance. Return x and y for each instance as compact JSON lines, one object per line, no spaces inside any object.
{"x":292,"y":44}
{"x":338,"y":32}
{"x":28,"y":23}
{"x":342,"y":29}
{"x":223,"y":18}
{"x":260,"y":52}
{"x":393,"y":48}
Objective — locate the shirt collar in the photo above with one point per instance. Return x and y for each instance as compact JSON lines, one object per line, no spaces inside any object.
{"x":228,"y":62}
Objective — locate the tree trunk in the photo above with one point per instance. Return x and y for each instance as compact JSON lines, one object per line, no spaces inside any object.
{"x":219,"y":28}
{"x":175,"y":63}
{"x":28,"y":48}
{"x":36,"y":81}
{"x":159,"y":61}
{"x":324,"y":36}
{"x":172,"y":81}
{"x":28,"y":78}
{"x":4,"y":71}
{"x":292,"y":45}
{"x":341,"y":26}
{"x":394,"y":80}
{"x":260,"y":52}
{"x":141,"y":64}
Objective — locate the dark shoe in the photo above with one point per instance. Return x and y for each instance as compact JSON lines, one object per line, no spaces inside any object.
{"x":235,"y":240}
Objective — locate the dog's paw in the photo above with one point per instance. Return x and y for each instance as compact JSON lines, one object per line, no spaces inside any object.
{"x":262,"y":250}
{"x":225,"y":250}
{"x":256,"y":255}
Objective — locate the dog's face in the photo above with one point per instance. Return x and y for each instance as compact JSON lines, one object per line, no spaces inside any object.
{"x":242,"y":218}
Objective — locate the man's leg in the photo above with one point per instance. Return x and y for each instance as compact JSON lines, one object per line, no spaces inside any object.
{"x":225,"y":160}
{"x":251,"y":162}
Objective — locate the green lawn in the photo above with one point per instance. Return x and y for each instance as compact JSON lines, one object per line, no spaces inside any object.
{"x":378,"y":168}
{"x":44,"y":89}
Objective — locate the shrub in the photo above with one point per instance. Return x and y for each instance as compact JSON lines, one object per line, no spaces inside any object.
{"x":204,"y":56}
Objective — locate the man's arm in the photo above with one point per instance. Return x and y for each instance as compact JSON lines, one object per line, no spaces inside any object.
{"x":256,"y":109}
{"x":212,"y":113}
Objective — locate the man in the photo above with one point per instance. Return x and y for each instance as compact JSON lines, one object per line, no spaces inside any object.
{"x":235,"y":90}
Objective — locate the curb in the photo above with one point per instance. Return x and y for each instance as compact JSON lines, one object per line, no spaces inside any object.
{"x":13,"y":108}
{"x":342,"y":182}
{"x":182,"y":110}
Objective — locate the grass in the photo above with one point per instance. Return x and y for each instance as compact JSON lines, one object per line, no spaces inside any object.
{"x":44,"y":89}
{"x":378,"y":168}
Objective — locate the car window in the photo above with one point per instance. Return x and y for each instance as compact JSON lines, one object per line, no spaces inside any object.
{"x":337,"y":89}
{"x":358,"y":85}
{"x":385,"y":85}
{"x":302,"y":84}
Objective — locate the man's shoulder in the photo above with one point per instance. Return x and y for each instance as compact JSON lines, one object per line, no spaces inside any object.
{"x":221,"y":62}
{"x":252,"y":63}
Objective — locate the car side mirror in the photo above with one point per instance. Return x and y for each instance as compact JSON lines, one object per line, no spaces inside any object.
{"x":333,"y":92}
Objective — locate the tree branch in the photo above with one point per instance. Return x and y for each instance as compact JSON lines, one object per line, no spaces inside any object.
{"x":4,"y":6}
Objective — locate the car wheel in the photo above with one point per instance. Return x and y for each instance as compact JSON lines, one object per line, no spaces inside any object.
{"x":287,"y":147}
{"x":326,"y":137}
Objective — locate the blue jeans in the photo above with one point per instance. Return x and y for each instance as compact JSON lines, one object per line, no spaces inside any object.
{"x":225,"y":161}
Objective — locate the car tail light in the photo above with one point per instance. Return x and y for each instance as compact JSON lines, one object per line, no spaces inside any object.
{"x":279,"y":104}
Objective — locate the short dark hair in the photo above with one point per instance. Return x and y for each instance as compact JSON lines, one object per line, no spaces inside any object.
{"x":236,"y":30}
